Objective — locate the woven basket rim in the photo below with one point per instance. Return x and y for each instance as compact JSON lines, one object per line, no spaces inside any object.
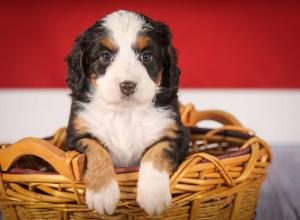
{"x":122,"y":170}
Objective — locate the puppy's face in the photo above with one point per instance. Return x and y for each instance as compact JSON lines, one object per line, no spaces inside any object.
{"x":125,"y":59}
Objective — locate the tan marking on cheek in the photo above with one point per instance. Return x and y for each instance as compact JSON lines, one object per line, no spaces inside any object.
{"x":157,"y":156}
{"x":79,"y":126}
{"x":93,"y":79}
{"x":158,"y":78}
{"x":142,"y":42}
{"x":171,"y":131}
{"x":100,"y":170}
{"x":108,"y":42}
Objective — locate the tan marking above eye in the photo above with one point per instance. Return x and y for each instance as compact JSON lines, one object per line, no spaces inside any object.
{"x":108,"y":42}
{"x":142,"y":42}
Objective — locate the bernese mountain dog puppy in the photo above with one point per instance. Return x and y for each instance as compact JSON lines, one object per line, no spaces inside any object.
{"x":123,"y":75}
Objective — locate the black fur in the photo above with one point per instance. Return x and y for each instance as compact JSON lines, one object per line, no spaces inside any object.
{"x":83,"y":62}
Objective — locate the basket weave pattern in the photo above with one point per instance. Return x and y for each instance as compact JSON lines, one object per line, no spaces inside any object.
{"x":220,"y":179}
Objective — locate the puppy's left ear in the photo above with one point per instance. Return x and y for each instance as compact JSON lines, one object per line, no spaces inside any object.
{"x":171,"y":72}
{"x":76,"y":62}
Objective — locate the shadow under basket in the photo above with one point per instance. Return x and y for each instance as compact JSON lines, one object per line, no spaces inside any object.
{"x":219,"y":179}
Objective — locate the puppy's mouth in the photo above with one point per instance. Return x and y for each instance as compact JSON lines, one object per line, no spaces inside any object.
{"x":123,"y":105}
{"x":129,"y":101}
{"x":127,"y":98}
{"x":124,"y":102}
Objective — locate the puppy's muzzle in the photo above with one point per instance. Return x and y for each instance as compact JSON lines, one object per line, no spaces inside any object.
{"x":127,"y":87}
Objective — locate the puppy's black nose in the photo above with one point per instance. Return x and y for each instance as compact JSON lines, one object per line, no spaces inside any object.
{"x":127,"y":87}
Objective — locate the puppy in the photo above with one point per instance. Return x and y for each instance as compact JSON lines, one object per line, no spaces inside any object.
{"x":124,"y":80}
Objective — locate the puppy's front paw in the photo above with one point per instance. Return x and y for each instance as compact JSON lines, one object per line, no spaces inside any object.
{"x":105,"y":200}
{"x":153,"y":192}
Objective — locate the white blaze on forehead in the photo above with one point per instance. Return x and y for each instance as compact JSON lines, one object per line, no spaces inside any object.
{"x":124,"y":26}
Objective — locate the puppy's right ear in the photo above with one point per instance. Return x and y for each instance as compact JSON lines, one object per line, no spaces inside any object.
{"x":76,"y":63}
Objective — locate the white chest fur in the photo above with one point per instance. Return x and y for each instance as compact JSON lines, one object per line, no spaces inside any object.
{"x":126,"y":132}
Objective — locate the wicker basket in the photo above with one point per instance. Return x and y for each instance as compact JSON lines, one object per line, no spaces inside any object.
{"x":220,"y":179}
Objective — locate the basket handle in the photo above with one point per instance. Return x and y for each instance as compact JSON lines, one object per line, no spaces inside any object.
{"x":190,"y":116}
{"x":55,"y":157}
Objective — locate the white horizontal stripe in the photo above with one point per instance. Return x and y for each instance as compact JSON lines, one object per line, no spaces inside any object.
{"x":273,"y":114}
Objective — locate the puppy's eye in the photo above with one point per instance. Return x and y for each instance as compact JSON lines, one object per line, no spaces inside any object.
{"x":106,"y":58}
{"x":146,"y":57}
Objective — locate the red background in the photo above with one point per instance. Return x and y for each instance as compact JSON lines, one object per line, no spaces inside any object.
{"x":221,"y":44}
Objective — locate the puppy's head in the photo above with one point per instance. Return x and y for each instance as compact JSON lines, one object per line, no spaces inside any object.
{"x":125,"y":59}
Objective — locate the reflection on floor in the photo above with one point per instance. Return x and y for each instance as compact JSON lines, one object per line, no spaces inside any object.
{"x":280,"y":194}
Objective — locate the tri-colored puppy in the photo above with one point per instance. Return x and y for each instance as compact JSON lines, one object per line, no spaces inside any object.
{"x":124,"y":80}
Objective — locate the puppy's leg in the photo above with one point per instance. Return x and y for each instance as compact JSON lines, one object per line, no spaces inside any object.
{"x":153,"y":190}
{"x":102,"y":190}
